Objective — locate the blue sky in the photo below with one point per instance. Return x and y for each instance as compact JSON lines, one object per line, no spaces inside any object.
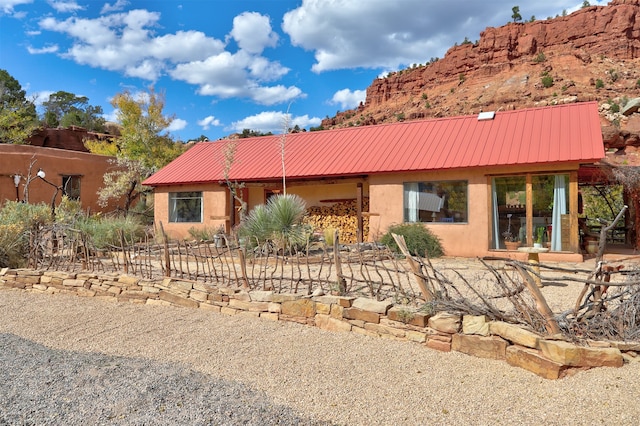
{"x":227,"y":65}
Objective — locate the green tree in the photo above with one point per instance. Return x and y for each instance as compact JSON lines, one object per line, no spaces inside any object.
{"x":516,"y":14}
{"x":18,"y":118}
{"x":66,"y":109}
{"x":143,"y":147}
{"x":585,"y":3}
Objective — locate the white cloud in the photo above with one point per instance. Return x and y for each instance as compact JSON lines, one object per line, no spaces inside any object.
{"x":6,"y":6}
{"x":348,"y":99}
{"x":252,"y":31}
{"x":52,"y":48}
{"x":385,"y":34}
{"x":177,"y":124}
{"x":272,"y":121}
{"x":209,"y":121}
{"x":117,"y":6}
{"x":39,"y":98}
{"x":127,"y":42}
{"x":65,"y":6}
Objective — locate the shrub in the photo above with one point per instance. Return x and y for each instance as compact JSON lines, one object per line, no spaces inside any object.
{"x":104,"y":232}
{"x":599,"y":83}
{"x":418,"y":238}
{"x":17,"y":220}
{"x":547,"y":81}
{"x":279,"y":223}
{"x":540,"y":57}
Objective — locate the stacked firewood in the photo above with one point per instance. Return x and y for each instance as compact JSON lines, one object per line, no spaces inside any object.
{"x":341,"y":215}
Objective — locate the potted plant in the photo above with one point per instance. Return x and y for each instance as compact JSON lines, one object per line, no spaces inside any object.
{"x":218,"y":238}
{"x":511,"y":241}
{"x":540,"y":230}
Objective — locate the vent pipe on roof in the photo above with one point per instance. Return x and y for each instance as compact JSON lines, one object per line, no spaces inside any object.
{"x":489,"y":115}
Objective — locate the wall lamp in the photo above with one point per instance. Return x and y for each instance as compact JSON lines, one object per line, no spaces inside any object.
{"x":16,"y":182}
{"x":41,"y":174}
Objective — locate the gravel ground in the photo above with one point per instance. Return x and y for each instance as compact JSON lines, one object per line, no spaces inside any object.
{"x":71,"y":360}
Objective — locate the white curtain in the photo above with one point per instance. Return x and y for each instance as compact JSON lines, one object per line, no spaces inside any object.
{"x":559,"y":209}
{"x":411,"y":196}
{"x":495,"y":217}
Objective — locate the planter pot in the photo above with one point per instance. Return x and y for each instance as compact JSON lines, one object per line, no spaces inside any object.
{"x":537,"y":245}
{"x":512,"y":245}
{"x":592,"y":246}
{"x":219,"y":240}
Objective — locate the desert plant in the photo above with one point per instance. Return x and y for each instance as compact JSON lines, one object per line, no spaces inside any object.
{"x":599,"y":83}
{"x":279,"y":222}
{"x":17,"y":220}
{"x":105,"y":232}
{"x":540,"y":57}
{"x":547,"y":81}
{"x":420,"y":241}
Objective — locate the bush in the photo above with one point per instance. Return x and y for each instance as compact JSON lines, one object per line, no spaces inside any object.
{"x":104,"y":232}
{"x":547,"y":81}
{"x":17,"y":220}
{"x":278,"y":223}
{"x":418,"y":238}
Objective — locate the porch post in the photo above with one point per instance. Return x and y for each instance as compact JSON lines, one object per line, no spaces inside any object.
{"x":574,"y":234}
{"x":360,"y":230}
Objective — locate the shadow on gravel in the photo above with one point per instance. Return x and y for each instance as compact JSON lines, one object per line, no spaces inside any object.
{"x":40,"y":385}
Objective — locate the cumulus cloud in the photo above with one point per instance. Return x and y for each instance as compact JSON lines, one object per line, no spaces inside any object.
{"x":127,"y":42}
{"x":252,"y":31}
{"x":386,"y":34}
{"x":7,"y":6}
{"x":65,"y":6}
{"x":51,"y":48}
{"x":348,"y":99}
{"x":117,"y":6}
{"x":273,"y":121}
{"x":209,"y":121}
{"x":177,"y":124}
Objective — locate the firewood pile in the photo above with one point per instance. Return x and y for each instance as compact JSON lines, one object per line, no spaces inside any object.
{"x":341,"y":215}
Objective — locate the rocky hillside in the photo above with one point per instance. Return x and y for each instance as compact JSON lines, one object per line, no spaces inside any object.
{"x":591,"y":54}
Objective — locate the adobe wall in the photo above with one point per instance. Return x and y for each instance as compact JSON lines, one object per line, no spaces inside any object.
{"x":386,"y":198}
{"x":15,"y":159}
{"x":215,"y":211}
{"x":472,"y":335}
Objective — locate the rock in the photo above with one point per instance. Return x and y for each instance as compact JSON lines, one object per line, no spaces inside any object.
{"x":580,"y":356}
{"x":483,"y":347}
{"x":372,"y":305}
{"x":533,"y":361}
{"x":299,"y":308}
{"x":515,"y":334}
{"x":475,"y":324}
{"x":445,"y":322}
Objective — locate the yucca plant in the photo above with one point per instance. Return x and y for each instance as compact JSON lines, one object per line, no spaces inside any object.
{"x":278,"y":223}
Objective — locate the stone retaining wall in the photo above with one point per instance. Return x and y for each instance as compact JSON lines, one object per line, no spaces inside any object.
{"x":473,"y":335}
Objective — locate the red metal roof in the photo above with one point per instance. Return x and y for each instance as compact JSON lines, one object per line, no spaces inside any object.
{"x":565,"y":133}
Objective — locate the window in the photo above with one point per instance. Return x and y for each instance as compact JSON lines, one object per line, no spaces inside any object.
{"x":185,"y":206}
{"x":71,"y":187}
{"x":549,"y":206}
{"x":443,"y":201}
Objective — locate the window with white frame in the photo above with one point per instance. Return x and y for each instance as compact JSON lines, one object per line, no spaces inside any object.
{"x":185,"y":206}
{"x":436,"y":201}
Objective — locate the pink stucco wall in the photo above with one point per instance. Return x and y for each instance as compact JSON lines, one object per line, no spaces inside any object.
{"x":16,"y":159}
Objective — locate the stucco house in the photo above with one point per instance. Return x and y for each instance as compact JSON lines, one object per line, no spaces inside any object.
{"x":79,"y":175}
{"x":468,"y":179}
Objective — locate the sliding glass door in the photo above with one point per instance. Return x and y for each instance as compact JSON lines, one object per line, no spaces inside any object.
{"x":531,"y":209}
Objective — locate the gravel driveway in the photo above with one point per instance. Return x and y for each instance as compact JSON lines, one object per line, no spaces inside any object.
{"x":71,"y":360}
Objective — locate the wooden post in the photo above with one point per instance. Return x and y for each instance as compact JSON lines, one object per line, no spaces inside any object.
{"x":415,"y":267}
{"x":541,"y":302}
{"x":336,"y":256}
{"x":360,"y":230}
{"x":167,"y":257}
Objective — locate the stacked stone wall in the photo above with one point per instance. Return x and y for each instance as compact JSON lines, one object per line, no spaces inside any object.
{"x":551,"y":358}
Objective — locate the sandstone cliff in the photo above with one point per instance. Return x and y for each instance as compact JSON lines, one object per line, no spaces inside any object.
{"x":591,"y":54}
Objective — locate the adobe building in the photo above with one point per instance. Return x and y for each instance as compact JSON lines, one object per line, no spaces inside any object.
{"x":469,"y":179}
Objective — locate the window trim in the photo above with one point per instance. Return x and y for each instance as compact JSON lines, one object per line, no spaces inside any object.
{"x":173,"y":208}
{"x":448,"y":220}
